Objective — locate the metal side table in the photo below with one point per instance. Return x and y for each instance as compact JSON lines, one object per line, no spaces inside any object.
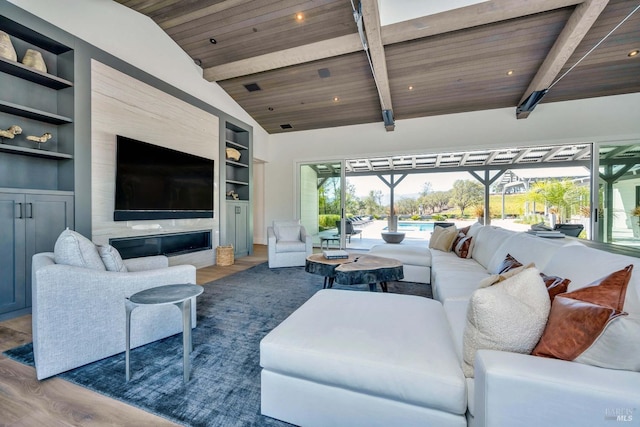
{"x":180,"y":296}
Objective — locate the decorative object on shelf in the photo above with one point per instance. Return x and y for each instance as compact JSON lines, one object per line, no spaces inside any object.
{"x":11,"y":132}
{"x":40,"y":139}
{"x":33,"y":58}
{"x":233,"y":195}
{"x":232,"y":154}
{"x":6,"y":47}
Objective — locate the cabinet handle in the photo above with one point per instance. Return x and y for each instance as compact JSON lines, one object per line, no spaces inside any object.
{"x":20,"y":212}
{"x":30,"y":206}
{"x":237,"y":210}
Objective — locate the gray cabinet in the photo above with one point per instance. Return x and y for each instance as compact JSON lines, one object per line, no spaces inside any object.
{"x":238,"y":227}
{"x":30,"y":223}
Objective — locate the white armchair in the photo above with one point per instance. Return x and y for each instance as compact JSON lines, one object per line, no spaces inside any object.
{"x":288,"y":244}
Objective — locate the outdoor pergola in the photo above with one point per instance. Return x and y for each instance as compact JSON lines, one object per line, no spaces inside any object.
{"x":487,"y":166}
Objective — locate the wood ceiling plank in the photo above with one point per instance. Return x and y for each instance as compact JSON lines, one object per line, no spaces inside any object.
{"x":467,"y":17}
{"x":577,"y":27}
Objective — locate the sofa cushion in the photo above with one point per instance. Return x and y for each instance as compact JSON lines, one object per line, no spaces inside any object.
{"x":509,"y":316}
{"x":497,"y":278}
{"x":414,"y":364}
{"x":288,"y":232}
{"x":74,"y":249}
{"x":407,"y":254}
{"x":442,"y":238}
{"x":486,"y":244}
{"x":589,"y":326}
{"x":111,"y":258}
{"x":527,"y":248}
{"x":285,"y":246}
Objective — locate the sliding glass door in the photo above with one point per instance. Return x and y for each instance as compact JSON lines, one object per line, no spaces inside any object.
{"x":618,"y":193}
{"x":321,"y":202}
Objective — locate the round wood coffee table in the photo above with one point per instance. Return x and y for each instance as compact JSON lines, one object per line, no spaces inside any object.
{"x":356,"y":270}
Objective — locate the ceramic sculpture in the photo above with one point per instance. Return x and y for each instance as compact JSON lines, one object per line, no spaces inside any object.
{"x":33,"y":58}
{"x":11,"y":132}
{"x":232,"y":154}
{"x":6,"y":48}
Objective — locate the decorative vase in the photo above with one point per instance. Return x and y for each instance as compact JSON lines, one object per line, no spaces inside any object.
{"x":232,"y":154}
{"x":6,"y":47}
{"x":33,"y":58}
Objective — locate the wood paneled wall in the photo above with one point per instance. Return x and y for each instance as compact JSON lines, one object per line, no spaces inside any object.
{"x":122,"y":105}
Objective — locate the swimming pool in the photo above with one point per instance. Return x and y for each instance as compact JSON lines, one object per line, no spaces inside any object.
{"x":414,"y":226}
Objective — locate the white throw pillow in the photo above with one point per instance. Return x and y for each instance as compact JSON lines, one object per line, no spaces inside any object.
{"x":74,"y":249}
{"x":111,"y":258}
{"x":508,"y":316}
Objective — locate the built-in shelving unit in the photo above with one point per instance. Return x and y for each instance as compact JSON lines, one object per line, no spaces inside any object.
{"x":237,"y":184}
{"x":36,"y":180}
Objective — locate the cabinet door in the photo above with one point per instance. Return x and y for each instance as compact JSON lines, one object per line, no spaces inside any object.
{"x":12,"y":253}
{"x":47,"y":215}
{"x":237,"y":227}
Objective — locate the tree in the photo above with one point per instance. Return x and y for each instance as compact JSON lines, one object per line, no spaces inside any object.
{"x":406,"y":206}
{"x":565,"y":196}
{"x":373,"y":202}
{"x":466,"y":193}
{"x":441,"y":199}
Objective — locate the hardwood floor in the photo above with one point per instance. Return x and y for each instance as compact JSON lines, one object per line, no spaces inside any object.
{"x":25,"y":401}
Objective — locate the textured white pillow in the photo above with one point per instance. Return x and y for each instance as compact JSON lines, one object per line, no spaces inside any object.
{"x":111,"y":258}
{"x":73,"y":248}
{"x":508,"y":316}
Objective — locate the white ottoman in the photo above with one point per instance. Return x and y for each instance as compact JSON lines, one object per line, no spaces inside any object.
{"x":416,"y":260}
{"x":349,"y":358}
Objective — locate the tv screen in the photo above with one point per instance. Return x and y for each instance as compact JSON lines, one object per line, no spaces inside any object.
{"x":154,"y":182}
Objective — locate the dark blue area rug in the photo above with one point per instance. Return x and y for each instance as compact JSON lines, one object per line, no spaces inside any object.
{"x":234,"y":314}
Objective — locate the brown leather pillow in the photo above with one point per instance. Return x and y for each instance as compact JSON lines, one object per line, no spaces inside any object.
{"x":555,"y":285}
{"x":577,"y":319}
{"x":508,"y":264}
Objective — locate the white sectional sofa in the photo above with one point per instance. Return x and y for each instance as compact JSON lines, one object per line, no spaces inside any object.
{"x":366,"y":359}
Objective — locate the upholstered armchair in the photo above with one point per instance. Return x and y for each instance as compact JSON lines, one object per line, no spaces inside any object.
{"x":79,"y":291}
{"x":288,"y":243}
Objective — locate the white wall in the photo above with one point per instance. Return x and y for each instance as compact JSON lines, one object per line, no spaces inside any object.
{"x":598,"y":119}
{"x":136,"y":39}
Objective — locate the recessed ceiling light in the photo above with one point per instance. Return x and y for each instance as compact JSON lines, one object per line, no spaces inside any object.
{"x":197,"y":61}
{"x":299,"y":17}
{"x":410,"y":87}
{"x":324,"y":73}
{"x":270,"y":108}
{"x":336,"y":99}
{"x":633,"y":53}
{"x":510,"y":73}
{"x":213,"y":41}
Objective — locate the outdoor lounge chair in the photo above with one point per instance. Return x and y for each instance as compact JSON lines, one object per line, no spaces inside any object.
{"x":349,"y":230}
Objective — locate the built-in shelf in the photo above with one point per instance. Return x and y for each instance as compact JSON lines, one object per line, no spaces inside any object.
{"x":34,"y":152}
{"x":20,"y":70}
{"x":229,"y":181}
{"x":242,"y":165}
{"x":32,"y":113}
{"x":236,"y":145}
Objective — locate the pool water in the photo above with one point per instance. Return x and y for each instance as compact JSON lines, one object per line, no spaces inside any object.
{"x":414,"y":226}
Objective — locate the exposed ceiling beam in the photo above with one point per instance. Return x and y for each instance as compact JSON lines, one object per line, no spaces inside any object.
{"x":574,"y":31}
{"x":470,"y":16}
{"x":457,"y":19}
{"x":297,"y":55}
{"x":371,"y":18}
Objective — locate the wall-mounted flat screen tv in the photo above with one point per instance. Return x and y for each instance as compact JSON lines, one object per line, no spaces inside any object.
{"x":154,"y":182}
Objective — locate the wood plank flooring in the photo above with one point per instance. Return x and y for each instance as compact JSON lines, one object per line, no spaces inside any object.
{"x":25,"y":401}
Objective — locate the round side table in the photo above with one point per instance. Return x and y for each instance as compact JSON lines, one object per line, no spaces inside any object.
{"x":180,"y":296}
